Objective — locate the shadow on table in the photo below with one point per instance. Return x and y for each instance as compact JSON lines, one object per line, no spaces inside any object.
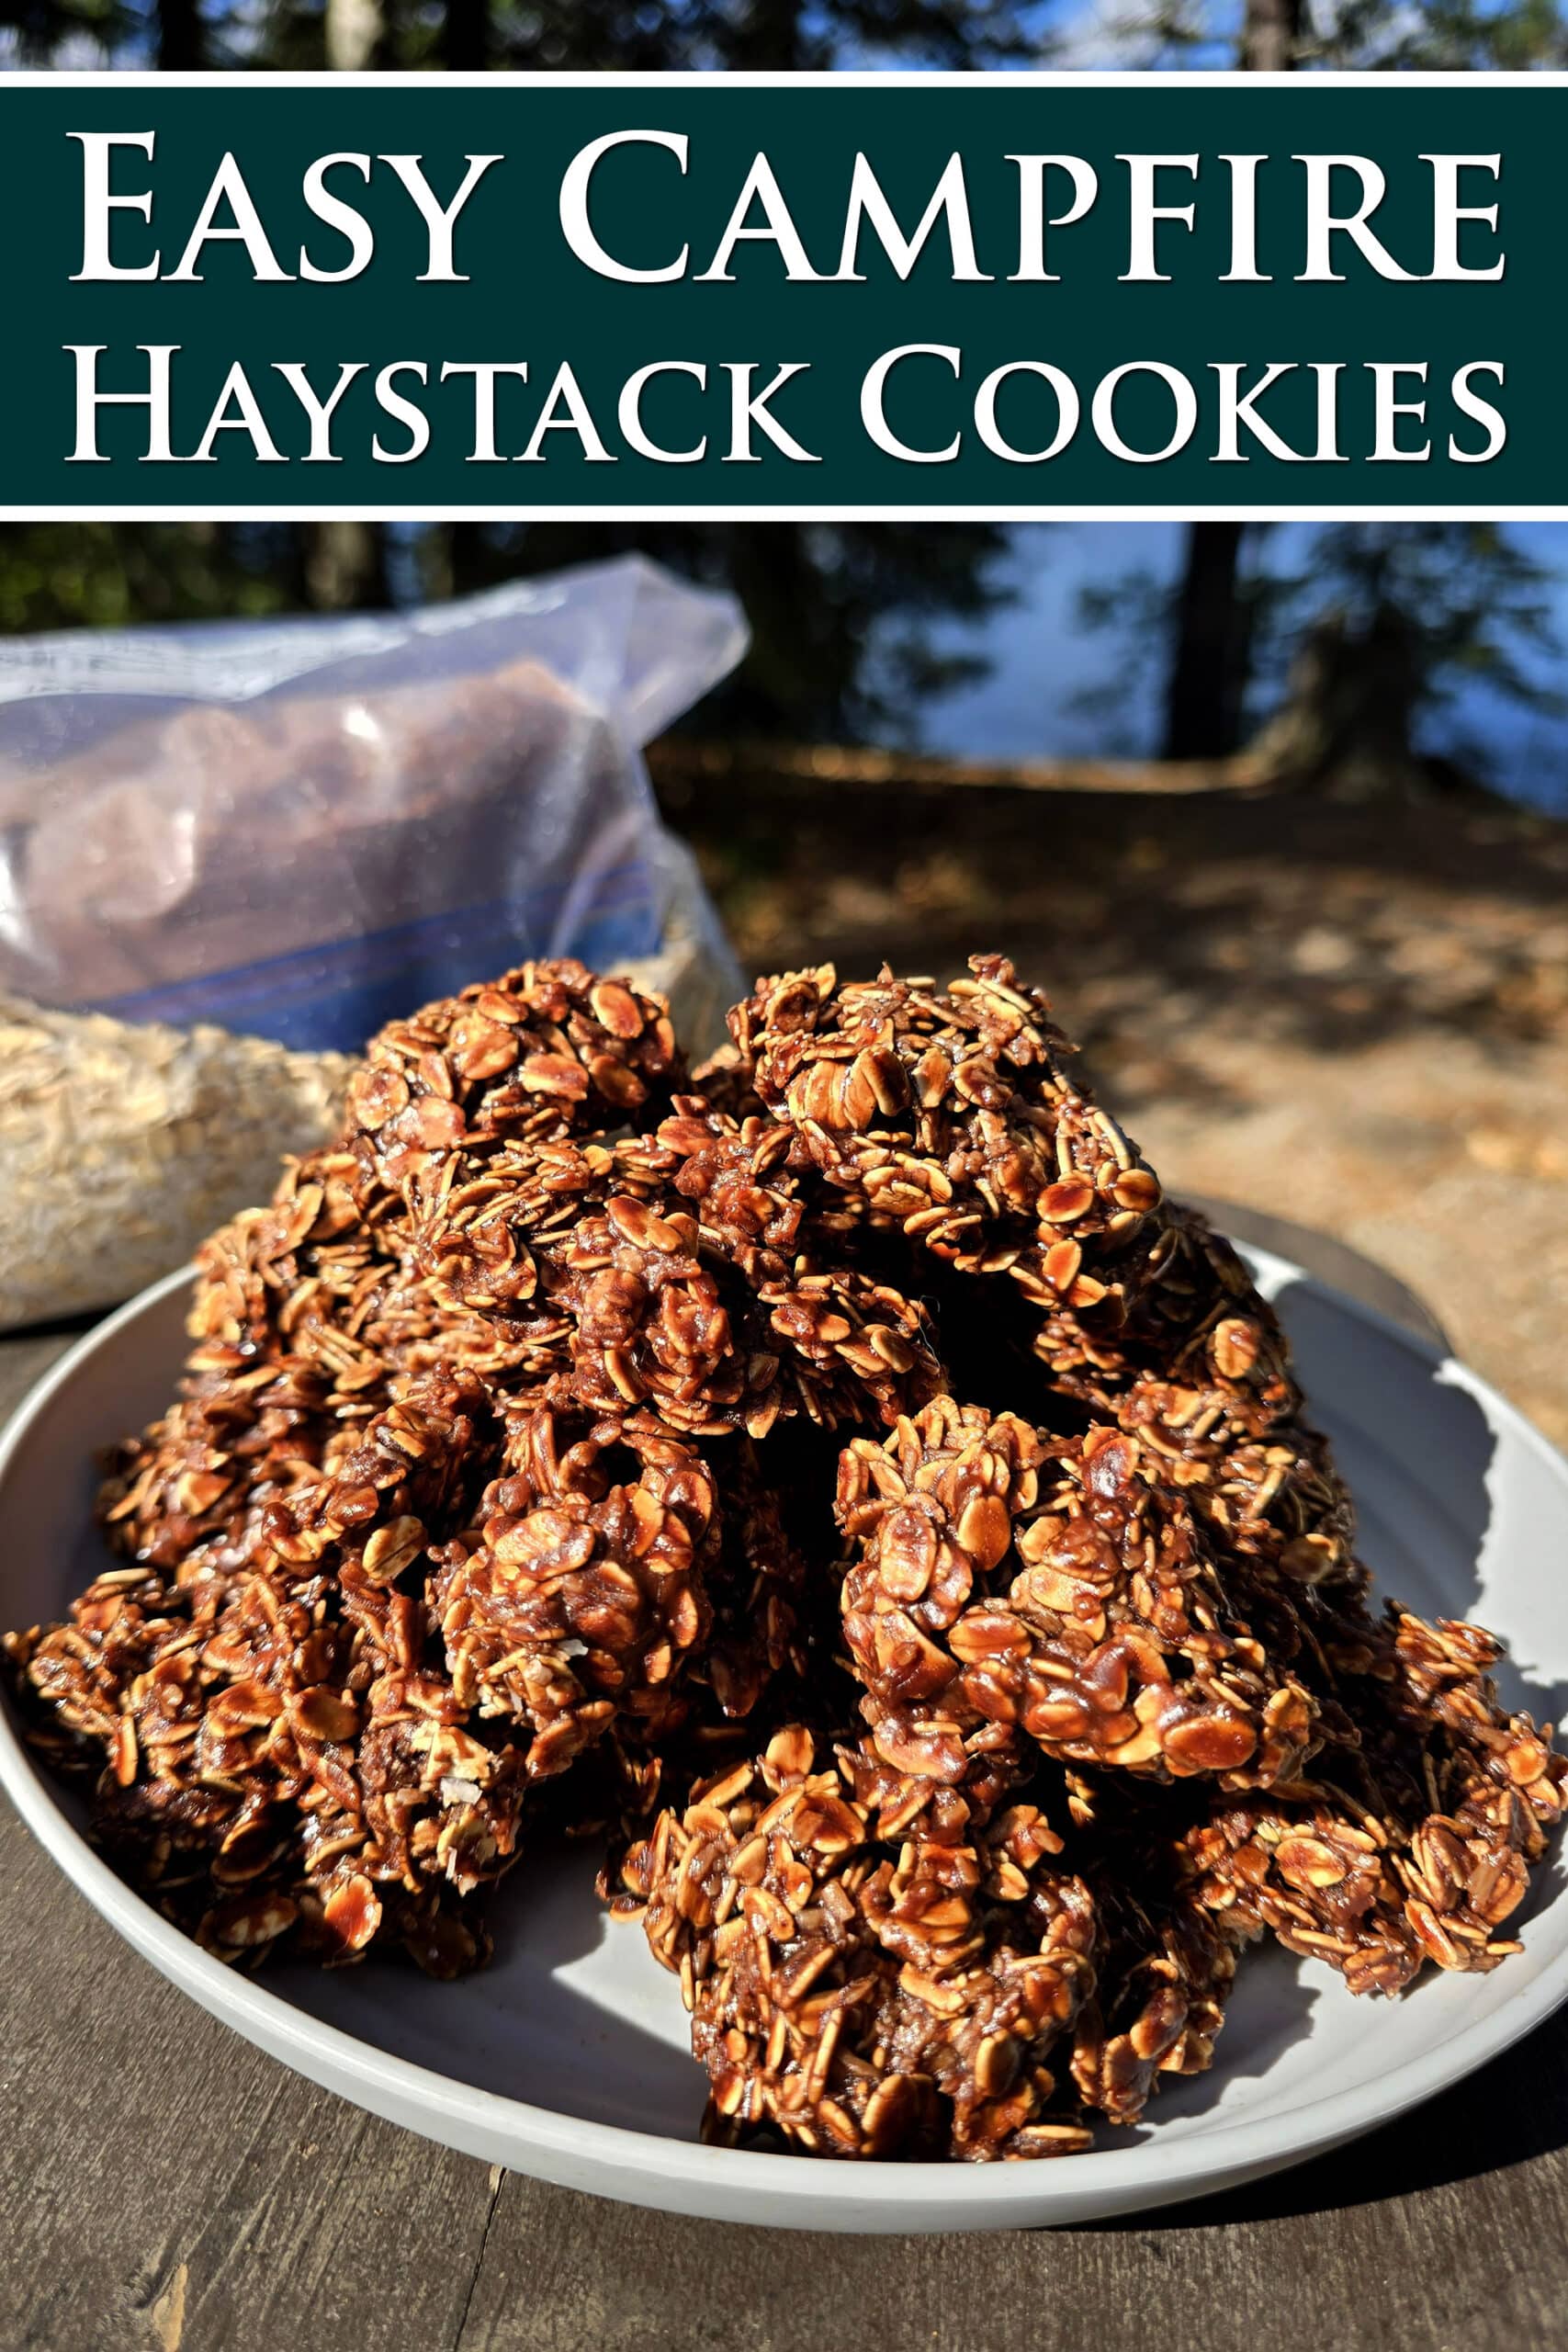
{"x":1513,"y":2111}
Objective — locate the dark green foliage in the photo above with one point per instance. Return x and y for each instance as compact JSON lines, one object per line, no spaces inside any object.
{"x":1463,"y":599}
{"x":1414,"y":610}
{"x":719,"y":36}
{"x":107,"y":575}
{"x":842,"y":614}
{"x":39,"y":29}
{"x":1454,"y":36}
{"x":779,"y":35}
{"x":1451,"y":36}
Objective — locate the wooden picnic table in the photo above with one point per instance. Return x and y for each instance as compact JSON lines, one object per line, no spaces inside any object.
{"x":165,"y":2187}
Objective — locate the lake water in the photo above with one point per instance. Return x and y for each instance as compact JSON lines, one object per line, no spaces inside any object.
{"x":1057,"y":686}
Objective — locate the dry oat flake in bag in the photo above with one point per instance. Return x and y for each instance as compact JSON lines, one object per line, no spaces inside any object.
{"x":229,"y":852}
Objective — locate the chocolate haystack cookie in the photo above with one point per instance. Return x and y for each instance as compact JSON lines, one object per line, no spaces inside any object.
{"x":839,"y":1483}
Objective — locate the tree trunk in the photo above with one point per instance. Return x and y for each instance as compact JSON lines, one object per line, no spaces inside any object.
{"x":1207,"y":684}
{"x":355,"y":30}
{"x":344,"y":566}
{"x":1271,"y":36}
{"x":1209,"y":667}
{"x":465,"y":36}
{"x":181,"y":37}
{"x":1347,"y":725}
{"x":771,"y":39}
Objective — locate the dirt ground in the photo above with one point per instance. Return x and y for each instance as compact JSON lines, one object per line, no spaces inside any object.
{"x":1355,"y":1016}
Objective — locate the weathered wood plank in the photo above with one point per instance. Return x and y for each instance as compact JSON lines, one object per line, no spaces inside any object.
{"x":166,"y":2189}
{"x":1444,"y":2230}
{"x":164,"y":2184}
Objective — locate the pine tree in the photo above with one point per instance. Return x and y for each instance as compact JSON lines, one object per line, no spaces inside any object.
{"x":39,"y":29}
{"x":718,"y":36}
{"x":1387,"y":622}
{"x":1210,"y":660}
{"x":781,"y":36}
{"x":1287,"y":36}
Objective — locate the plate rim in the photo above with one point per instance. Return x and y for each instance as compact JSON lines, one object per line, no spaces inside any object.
{"x":655,"y":2170}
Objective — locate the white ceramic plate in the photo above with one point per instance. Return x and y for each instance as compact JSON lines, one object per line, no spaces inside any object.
{"x":567,"y":2057}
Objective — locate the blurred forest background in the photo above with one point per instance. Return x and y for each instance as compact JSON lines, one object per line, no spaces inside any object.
{"x":782,"y":34}
{"x":866,"y":634}
{"x":1408,"y":656}
{"x":1278,"y":813}
{"x":1275,"y":813}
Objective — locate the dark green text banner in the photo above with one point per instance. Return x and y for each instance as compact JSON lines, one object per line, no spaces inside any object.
{"x":868,"y":294}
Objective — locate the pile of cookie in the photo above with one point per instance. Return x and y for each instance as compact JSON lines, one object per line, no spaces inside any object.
{"x":838,"y":1477}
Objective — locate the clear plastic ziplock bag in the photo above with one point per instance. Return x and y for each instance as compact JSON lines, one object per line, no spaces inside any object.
{"x":299,"y":828}
{"x":228,"y":852}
